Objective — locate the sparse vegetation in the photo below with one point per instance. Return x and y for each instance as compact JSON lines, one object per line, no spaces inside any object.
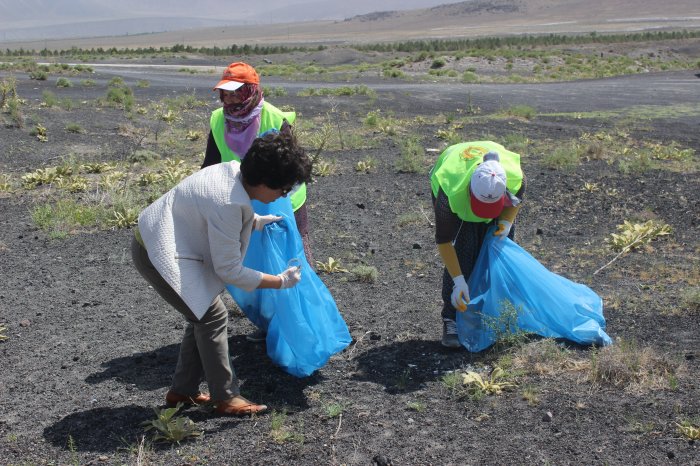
{"x":626,"y":365}
{"x":279,"y":432}
{"x":330,"y":266}
{"x":364,"y":273}
{"x":168,"y":426}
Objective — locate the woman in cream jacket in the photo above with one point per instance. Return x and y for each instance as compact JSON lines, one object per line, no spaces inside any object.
{"x":191,"y":242}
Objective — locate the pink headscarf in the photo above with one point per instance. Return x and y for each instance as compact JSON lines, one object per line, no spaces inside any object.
{"x":243,"y":119}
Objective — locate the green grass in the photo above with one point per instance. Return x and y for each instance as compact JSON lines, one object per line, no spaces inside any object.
{"x":65,"y":216}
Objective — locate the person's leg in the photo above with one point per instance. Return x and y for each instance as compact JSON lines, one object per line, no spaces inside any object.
{"x":204,"y":347}
{"x":467,"y":245}
{"x":211,"y":337}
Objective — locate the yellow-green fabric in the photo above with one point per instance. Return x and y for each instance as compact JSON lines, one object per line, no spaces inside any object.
{"x":271,"y":117}
{"x":453,"y":170}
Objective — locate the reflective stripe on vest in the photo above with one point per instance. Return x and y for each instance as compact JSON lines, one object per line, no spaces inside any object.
{"x":454,"y":169}
{"x":270,"y":117}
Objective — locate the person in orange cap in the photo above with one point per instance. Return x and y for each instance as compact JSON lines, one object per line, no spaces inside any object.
{"x":245,"y":115}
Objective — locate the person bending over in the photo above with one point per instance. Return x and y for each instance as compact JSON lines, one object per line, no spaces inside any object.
{"x":191,"y":242}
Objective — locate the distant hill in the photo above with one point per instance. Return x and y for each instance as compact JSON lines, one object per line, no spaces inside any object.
{"x":463,"y":19}
{"x":52,"y":19}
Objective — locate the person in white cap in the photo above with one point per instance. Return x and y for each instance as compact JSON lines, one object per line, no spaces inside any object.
{"x":474,"y":185}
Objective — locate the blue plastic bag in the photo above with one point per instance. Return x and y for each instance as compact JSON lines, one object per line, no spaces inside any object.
{"x":506,"y":279}
{"x":304,"y":327}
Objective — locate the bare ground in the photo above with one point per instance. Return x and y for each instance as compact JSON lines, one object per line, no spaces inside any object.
{"x":91,"y":348}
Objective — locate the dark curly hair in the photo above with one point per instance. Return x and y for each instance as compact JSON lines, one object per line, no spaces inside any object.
{"x":277,"y":161}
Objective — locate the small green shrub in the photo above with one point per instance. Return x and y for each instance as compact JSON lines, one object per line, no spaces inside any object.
{"x":74,"y":128}
{"x":63,"y":82}
{"x":39,"y":75}
{"x":364,"y":273}
{"x":49,"y":99}
{"x":565,"y":156}
{"x":504,"y":327}
{"x":521,"y":111}
{"x":412,"y":157}
{"x":470,"y":77}
{"x":690,"y":299}
{"x":169,"y":427}
{"x":120,"y":97}
{"x":438,"y":63}
{"x":281,"y":433}
{"x":393,"y":73}
{"x":334,"y":409}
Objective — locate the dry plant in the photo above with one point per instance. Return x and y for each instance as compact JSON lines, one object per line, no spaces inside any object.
{"x":493,"y":384}
{"x":3,"y":329}
{"x":545,"y":357}
{"x":634,"y":235}
{"x":5,"y":183}
{"x":627,"y":366}
{"x":689,"y":430}
{"x":366,"y":165}
{"x":331,"y":266}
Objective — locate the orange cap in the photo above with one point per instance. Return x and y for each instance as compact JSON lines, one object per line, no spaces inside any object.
{"x":236,"y":75}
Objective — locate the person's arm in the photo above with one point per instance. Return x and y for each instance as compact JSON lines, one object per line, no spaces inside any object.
{"x":446,"y":228}
{"x":224,"y":227}
{"x":212,"y":156}
{"x":507,"y":217}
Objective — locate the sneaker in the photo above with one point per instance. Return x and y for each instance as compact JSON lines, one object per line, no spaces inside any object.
{"x":449,"y":334}
{"x":257,"y":336}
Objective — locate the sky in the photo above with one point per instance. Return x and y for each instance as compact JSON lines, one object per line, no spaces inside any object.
{"x":41,"y":19}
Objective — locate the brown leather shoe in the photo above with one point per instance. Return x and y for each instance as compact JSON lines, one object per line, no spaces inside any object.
{"x":172,"y":398}
{"x":239,"y":406}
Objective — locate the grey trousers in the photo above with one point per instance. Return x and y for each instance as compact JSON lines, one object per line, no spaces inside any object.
{"x":204,"y":348}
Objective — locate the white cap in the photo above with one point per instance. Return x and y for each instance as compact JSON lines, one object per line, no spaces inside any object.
{"x":229,"y":85}
{"x":488,"y":187}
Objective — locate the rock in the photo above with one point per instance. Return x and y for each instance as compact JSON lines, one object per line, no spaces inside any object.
{"x":417,"y":246}
{"x":380,"y":460}
{"x":548,"y":416}
{"x":24,"y":323}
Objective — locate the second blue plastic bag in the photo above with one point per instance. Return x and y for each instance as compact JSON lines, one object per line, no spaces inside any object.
{"x":304,"y":327}
{"x":506,"y":277}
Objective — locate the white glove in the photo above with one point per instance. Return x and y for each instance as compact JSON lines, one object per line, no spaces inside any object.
{"x":290,"y":277}
{"x":503,"y":229}
{"x":460,"y":294}
{"x":261,"y":220}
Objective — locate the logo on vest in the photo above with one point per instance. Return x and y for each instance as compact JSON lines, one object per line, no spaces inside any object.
{"x":473,"y":151}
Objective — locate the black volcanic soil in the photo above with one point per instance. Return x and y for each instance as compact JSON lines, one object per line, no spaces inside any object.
{"x":91,"y":348}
